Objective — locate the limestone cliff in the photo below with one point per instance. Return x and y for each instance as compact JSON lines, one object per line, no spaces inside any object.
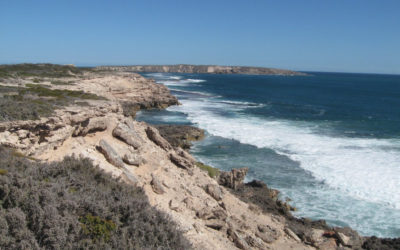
{"x":201,"y":69}
{"x":210,"y":215}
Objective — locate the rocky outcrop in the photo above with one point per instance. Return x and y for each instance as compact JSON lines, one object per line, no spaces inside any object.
{"x":180,"y":135}
{"x":155,"y":136}
{"x":200,"y":69}
{"x":127,"y":134}
{"x":233,"y":179}
{"x":110,"y":154}
{"x":228,"y":216}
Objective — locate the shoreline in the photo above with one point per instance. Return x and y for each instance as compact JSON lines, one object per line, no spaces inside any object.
{"x":92,"y":118}
{"x":253,"y":192}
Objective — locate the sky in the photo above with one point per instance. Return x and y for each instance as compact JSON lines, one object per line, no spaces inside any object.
{"x":307,"y":35}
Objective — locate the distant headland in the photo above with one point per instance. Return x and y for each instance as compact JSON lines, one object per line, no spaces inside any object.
{"x":200,"y":69}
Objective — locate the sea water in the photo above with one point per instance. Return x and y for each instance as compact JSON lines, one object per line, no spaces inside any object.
{"x":328,"y":141}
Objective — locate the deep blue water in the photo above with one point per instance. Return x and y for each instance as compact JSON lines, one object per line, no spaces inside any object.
{"x":329,"y":141}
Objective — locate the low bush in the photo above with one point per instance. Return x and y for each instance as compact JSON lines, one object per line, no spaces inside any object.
{"x":212,"y":172}
{"x":39,"y":211}
{"x":37,"y":101}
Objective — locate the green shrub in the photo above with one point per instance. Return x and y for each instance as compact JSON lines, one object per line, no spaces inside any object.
{"x":41,"y":70}
{"x":96,"y":227}
{"x":3,"y":172}
{"x":58,"y":82}
{"x":212,"y":172}
{"x":32,"y":102}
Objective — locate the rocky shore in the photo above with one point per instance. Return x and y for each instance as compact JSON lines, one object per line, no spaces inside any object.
{"x":201,"y":69}
{"x":91,"y":118}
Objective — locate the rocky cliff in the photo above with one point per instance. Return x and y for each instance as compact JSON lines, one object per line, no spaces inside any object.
{"x":212,"y":213}
{"x":200,"y":69}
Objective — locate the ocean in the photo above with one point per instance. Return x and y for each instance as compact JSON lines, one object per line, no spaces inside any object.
{"x":329,"y":141}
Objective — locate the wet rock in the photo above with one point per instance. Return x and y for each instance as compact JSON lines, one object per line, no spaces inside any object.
{"x":156,"y":185}
{"x":110,"y":154}
{"x":155,"y":136}
{"x":348,"y":237}
{"x":214,"y":191}
{"x":127,"y":135}
{"x":374,"y":243}
{"x":233,"y":179}
{"x":180,"y":135}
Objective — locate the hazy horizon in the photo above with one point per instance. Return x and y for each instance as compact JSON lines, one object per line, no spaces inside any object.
{"x":330,"y":36}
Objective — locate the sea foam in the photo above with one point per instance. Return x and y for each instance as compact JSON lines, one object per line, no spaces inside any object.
{"x":367,"y":169}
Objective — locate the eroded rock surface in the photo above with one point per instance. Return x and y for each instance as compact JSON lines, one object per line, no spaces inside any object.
{"x":211,"y":216}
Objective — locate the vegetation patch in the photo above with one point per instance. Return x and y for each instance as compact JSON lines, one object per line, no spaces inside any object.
{"x":212,"y":172}
{"x":41,"y":90}
{"x":96,"y":227}
{"x":40,"y":70}
{"x":59,"y":82}
{"x":37,"y":101}
{"x":38,"y":210}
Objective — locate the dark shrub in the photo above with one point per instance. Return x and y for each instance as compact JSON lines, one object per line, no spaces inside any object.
{"x":74,"y":205}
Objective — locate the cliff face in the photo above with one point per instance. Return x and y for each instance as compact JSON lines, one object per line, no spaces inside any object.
{"x":204,"y":208}
{"x":199,"y":69}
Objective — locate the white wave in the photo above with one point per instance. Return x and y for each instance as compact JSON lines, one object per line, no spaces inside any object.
{"x":195,"y":80}
{"x":246,"y":104}
{"x":182,"y":83}
{"x":367,"y":169}
{"x":175,"y":77}
{"x":199,"y":93}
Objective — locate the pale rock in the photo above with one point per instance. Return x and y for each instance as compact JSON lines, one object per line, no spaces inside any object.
{"x":110,"y":154}
{"x":154,"y":135}
{"x":292,"y":234}
{"x":156,"y":185}
{"x":127,"y":135}
{"x":214,"y":191}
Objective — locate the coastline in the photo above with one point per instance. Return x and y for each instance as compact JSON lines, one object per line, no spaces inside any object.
{"x":212,"y":213}
{"x":257,"y":193}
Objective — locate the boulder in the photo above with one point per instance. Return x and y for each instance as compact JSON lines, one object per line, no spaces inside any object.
{"x":267,"y":233}
{"x":292,"y":235}
{"x":90,"y":126}
{"x":180,"y":135}
{"x":233,"y":179}
{"x":133,"y":159}
{"x":348,"y":237}
{"x":155,"y":136}
{"x":110,"y":154}
{"x":156,"y":185}
{"x":181,"y":162}
{"x":214,"y":191}
{"x":238,"y":239}
{"x":175,"y":205}
{"x":127,"y":135}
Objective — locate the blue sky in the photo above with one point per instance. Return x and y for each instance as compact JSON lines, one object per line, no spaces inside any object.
{"x":313,"y":35}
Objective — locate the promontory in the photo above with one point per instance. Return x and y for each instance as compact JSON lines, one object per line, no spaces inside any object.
{"x":201,"y":69}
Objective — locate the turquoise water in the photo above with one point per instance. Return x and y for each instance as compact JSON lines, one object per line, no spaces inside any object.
{"x":330,"y":141}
